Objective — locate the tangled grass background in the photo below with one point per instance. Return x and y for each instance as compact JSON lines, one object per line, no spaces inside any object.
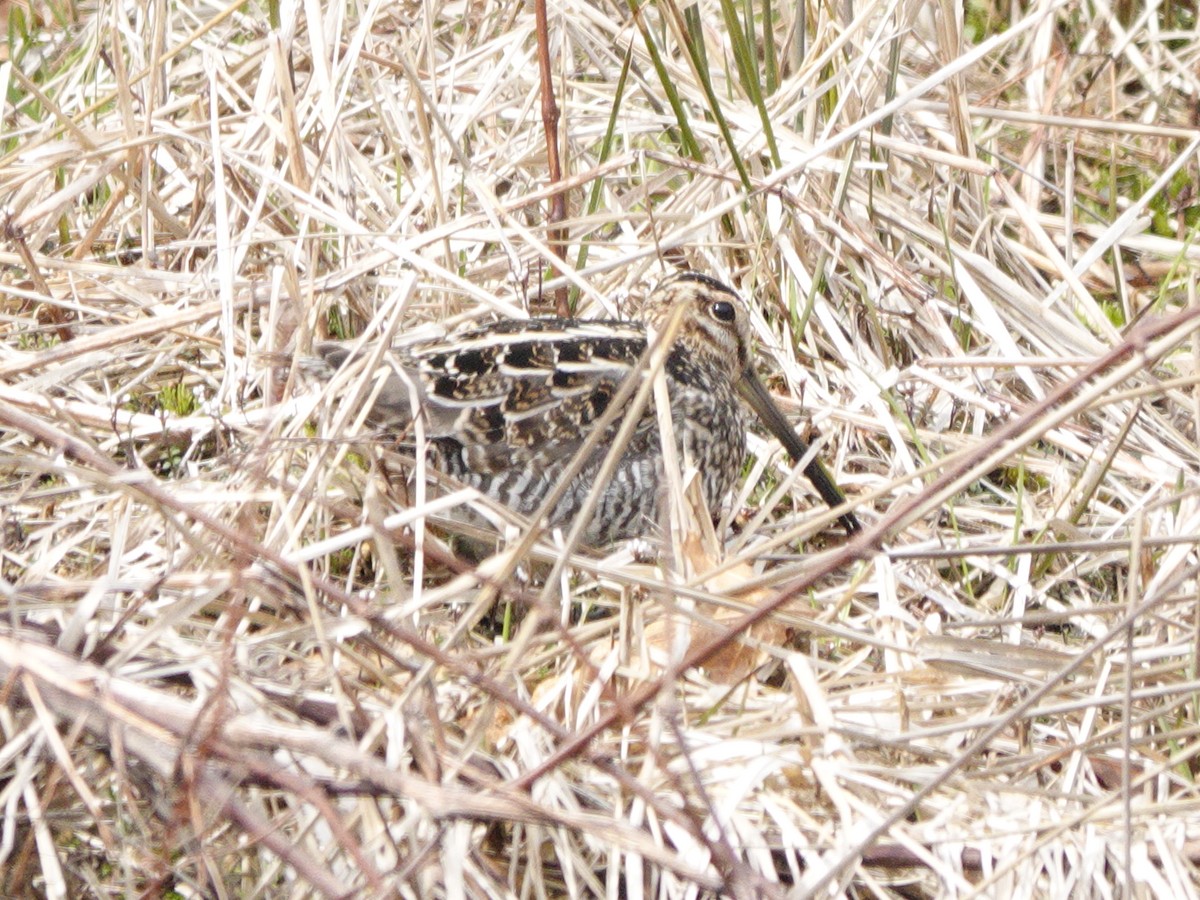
{"x":244,"y":655}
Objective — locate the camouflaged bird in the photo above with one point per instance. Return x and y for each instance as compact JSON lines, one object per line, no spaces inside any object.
{"x":506,"y":406}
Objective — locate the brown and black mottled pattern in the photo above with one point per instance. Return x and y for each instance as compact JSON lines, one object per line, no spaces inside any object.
{"x":507,"y":406}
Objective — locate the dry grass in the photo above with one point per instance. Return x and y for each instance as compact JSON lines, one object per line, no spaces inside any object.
{"x":239,"y":661}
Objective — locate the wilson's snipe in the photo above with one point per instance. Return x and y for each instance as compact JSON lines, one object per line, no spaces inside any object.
{"x":507,"y":405}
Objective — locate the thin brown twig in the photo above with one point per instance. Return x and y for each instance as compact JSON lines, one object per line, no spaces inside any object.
{"x":556,"y":215}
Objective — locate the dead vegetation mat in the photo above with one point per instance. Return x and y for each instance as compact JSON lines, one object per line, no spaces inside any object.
{"x":245,"y":652}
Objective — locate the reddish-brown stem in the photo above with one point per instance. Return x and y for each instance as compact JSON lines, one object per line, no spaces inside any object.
{"x":557,"y":211}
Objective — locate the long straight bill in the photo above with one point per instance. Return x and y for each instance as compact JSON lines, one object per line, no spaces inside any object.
{"x":760,"y":401}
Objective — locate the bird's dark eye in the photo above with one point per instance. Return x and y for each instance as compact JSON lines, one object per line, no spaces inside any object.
{"x":723,"y":311}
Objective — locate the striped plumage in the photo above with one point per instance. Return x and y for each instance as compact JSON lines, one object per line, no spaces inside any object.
{"x":507,"y":406}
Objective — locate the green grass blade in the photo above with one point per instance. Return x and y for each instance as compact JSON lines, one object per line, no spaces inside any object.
{"x":686,"y":139}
